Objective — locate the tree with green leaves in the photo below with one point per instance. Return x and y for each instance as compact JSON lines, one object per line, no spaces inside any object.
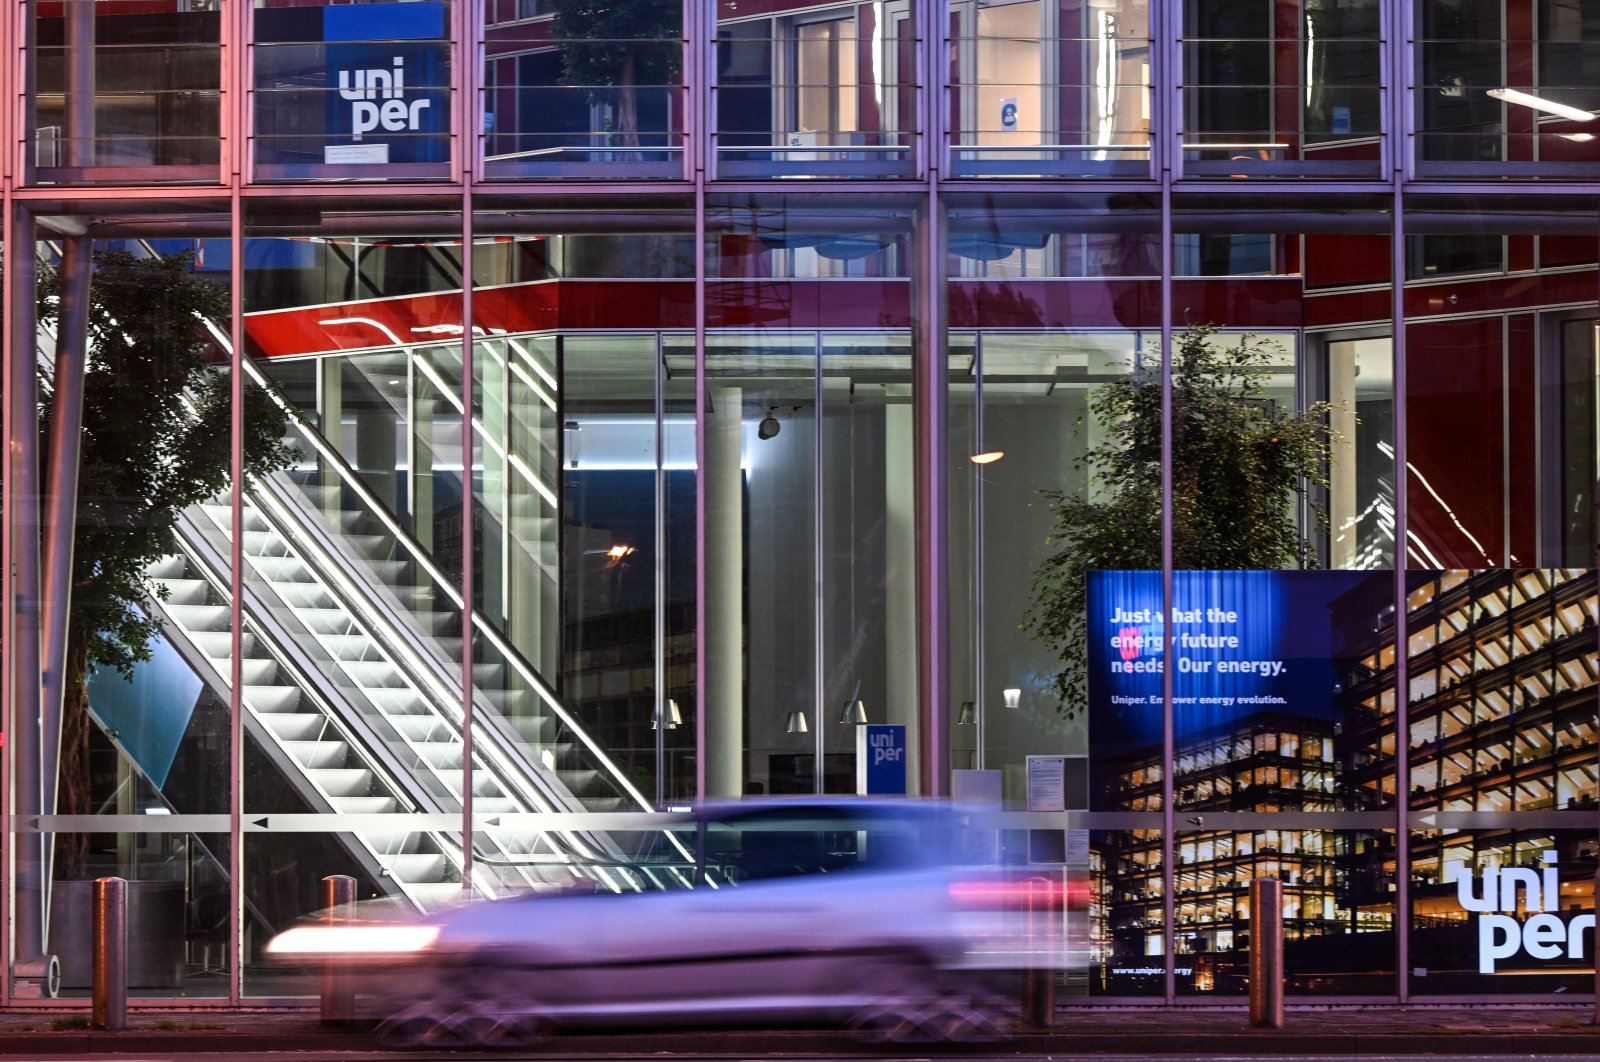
{"x":155,"y":440}
{"x":1239,"y":463}
{"x":613,"y":48}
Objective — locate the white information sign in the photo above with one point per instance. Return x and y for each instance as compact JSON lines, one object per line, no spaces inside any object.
{"x":355,"y":154}
{"x":1047,"y":783}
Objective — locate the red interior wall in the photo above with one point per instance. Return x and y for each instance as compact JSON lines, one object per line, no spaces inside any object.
{"x":1456,"y":443}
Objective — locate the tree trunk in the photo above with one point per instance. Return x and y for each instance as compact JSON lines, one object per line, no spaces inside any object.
{"x":73,"y":795}
{"x":628,"y":106}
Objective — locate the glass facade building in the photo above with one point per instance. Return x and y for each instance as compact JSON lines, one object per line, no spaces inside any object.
{"x":441,"y":435}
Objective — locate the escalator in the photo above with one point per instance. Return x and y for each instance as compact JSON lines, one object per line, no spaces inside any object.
{"x":351,"y":651}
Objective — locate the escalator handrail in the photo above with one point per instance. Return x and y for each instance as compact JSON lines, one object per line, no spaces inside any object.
{"x":380,"y":512}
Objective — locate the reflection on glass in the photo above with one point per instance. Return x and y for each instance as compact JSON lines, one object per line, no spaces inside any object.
{"x":1577,"y":442}
{"x":573,"y":88}
{"x":829,"y":91}
{"x":1361,"y":467}
{"x":1275,"y":89}
{"x":1493,"y":648}
{"x":1505,"y":86}
{"x":152,"y":83}
{"x":283,"y":883}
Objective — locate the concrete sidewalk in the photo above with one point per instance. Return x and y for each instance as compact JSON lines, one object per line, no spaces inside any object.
{"x":1186,"y":1031}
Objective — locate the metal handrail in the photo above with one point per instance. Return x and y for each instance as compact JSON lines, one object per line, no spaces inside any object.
{"x":420,"y":557}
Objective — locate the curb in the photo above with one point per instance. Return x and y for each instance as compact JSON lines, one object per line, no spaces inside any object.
{"x":754,"y":1044}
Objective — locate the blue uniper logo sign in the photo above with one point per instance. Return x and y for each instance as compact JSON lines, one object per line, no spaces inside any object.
{"x":388,"y":67}
{"x":881,"y":759}
{"x":377,"y":98}
{"x":365,"y":84}
{"x":1501,"y":935}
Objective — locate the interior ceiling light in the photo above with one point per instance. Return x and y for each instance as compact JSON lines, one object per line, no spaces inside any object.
{"x":670,"y":717}
{"x":1580,"y":138}
{"x":987,"y":458}
{"x":1523,"y":99}
{"x":769,"y":425}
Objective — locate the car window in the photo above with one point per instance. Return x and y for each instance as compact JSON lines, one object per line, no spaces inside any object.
{"x":651,"y":859}
{"x":788,"y":843}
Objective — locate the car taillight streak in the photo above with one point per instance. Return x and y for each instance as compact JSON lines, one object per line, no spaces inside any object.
{"x":1002,"y":894}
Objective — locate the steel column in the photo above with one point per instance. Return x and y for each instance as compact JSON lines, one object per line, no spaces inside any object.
{"x":980,"y":573}
{"x":12,"y":33}
{"x":78,"y":29}
{"x":930,"y":424}
{"x":236,"y":708}
{"x":1401,"y":118}
{"x":60,"y":511}
{"x":30,"y":854}
{"x":698,"y":17}
{"x":819,"y":628}
{"x":1166,"y":27}
{"x":468,"y":573}
{"x":659,"y":623}
{"x":467,"y":23}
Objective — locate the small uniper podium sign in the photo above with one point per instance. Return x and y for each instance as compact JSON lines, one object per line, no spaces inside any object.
{"x":881,"y":760}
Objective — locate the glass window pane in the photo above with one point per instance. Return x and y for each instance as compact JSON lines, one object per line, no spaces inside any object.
{"x":1050,"y":87}
{"x":122,"y":95}
{"x":352,"y":91}
{"x":1275,"y":89}
{"x":583,"y":88}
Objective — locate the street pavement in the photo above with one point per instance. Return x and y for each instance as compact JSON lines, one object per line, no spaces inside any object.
{"x":1183,"y":1032}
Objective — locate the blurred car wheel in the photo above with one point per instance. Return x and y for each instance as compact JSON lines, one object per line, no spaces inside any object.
{"x":460,"y":1022}
{"x":913,"y":1002}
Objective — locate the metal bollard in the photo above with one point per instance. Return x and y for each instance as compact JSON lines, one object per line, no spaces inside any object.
{"x":338,"y":987}
{"x":109,"y":926}
{"x":1039,"y":983}
{"x":1266,"y":953}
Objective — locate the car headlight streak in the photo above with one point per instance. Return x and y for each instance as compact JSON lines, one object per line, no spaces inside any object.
{"x":352,"y":941}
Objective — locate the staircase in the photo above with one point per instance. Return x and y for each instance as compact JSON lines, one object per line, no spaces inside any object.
{"x":352,"y":685}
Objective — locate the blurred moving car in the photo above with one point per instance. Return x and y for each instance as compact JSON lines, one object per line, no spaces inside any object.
{"x":877,"y":915}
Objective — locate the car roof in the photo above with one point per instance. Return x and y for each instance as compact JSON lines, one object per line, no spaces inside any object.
{"x":829,"y":805}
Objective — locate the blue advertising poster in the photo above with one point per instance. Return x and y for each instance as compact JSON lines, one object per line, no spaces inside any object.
{"x":353,"y":84}
{"x":1244,"y":642}
{"x":881,"y":760}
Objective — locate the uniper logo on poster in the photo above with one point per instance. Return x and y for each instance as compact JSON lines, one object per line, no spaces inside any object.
{"x":363,"y":84}
{"x":1543,"y":935}
{"x":378,"y":97}
{"x":386,"y":65}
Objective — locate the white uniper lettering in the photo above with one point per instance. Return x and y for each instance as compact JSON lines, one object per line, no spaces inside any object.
{"x":884,"y":749}
{"x":364,"y":88}
{"x":1500,"y":936}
